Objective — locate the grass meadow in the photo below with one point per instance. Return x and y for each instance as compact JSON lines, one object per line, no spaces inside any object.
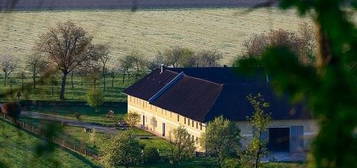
{"x":148,"y":31}
{"x":18,"y":150}
{"x":76,"y":92}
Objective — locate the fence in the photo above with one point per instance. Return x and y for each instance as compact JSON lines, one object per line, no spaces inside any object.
{"x":63,"y":141}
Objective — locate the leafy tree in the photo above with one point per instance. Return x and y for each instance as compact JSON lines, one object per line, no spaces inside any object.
{"x":123,"y":150}
{"x":221,"y":139}
{"x":328,"y":87}
{"x":132,"y":119}
{"x":67,"y":47}
{"x":259,"y":121}
{"x":95,"y":98}
{"x":8,"y":64}
{"x":183,"y":146}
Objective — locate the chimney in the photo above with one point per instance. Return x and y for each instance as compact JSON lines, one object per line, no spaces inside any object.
{"x":161,"y":68}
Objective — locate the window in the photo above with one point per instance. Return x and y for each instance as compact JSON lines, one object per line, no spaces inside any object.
{"x":184,"y":120}
{"x":188,"y":122}
{"x":196,"y":125}
{"x":193,"y":138}
{"x":193,"y":123}
{"x":197,"y":140}
{"x":178,"y":118}
{"x":200,"y":126}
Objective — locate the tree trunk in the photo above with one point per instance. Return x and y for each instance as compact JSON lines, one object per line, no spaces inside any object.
{"x":113,"y":81}
{"x":34,"y":80}
{"x":34,"y":76}
{"x":123,"y":77}
{"x":63,"y":85}
{"x":5,"y":79}
{"x":94,"y":83}
{"x":103,"y":71}
{"x":72,"y":80}
{"x":22,"y":82}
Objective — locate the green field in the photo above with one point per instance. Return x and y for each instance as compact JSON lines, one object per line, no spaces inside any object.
{"x":75,"y":92}
{"x":17,"y":150}
{"x":148,"y":31}
{"x":87,"y":113}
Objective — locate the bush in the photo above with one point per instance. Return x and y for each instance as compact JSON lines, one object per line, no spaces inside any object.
{"x":151,"y":155}
{"x":12,"y":109}
{"x":123,"y":150}
{"x":77,"y":115}
{"x":95,"y":98}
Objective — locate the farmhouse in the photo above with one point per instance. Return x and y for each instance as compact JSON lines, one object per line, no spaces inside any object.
{"x":191,"y":97}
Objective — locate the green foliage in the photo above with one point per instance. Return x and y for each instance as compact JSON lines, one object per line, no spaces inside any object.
{"x":230,"y":163}
{"x":95,"y":98}
{"x":221,"y":139}
{"x":183,"y":146}
{"x":123,"y":150}
{"x":151,"y":155}
{"x":329,"y":87}
{"x":132,"y":119}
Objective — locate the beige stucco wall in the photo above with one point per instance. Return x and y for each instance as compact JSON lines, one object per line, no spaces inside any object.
{"x":155,"y":117}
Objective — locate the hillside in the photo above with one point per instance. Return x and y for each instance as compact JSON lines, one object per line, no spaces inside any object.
{"x":123,"y":4}
{"x":148,"y":31}
{"x":17,"y":149}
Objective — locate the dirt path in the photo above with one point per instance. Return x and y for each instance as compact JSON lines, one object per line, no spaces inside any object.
{"x":99,"y":128}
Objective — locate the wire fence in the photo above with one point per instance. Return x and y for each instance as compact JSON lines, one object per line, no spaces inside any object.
{"x":64,"y":141}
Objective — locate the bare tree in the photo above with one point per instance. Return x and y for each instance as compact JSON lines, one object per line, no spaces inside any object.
{"x":112,"y":73}
{"x":8,"y":65}
{"x":36,"y":63}
{"x":102,"y":52}
{"x":133,"y":62}
{"x":301,"y":43}
{"x":67,"y":46}
{"x":179,"y":57}
{"x":208,"y":58}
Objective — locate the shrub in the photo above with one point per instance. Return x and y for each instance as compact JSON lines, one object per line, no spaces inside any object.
{"x":132,"y":119}
{"x":123,"y":150}
{"x":151,"y":155}
{"x":77,"y":115}
{"x":95,"y":98}
{"x":11,"y":109}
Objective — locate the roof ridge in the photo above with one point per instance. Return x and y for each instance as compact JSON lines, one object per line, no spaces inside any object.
{"x":219,"y":84}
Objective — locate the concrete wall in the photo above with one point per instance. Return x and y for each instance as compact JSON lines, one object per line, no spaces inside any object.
{"x":155,"y":117}
{"x":309,"y":128}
